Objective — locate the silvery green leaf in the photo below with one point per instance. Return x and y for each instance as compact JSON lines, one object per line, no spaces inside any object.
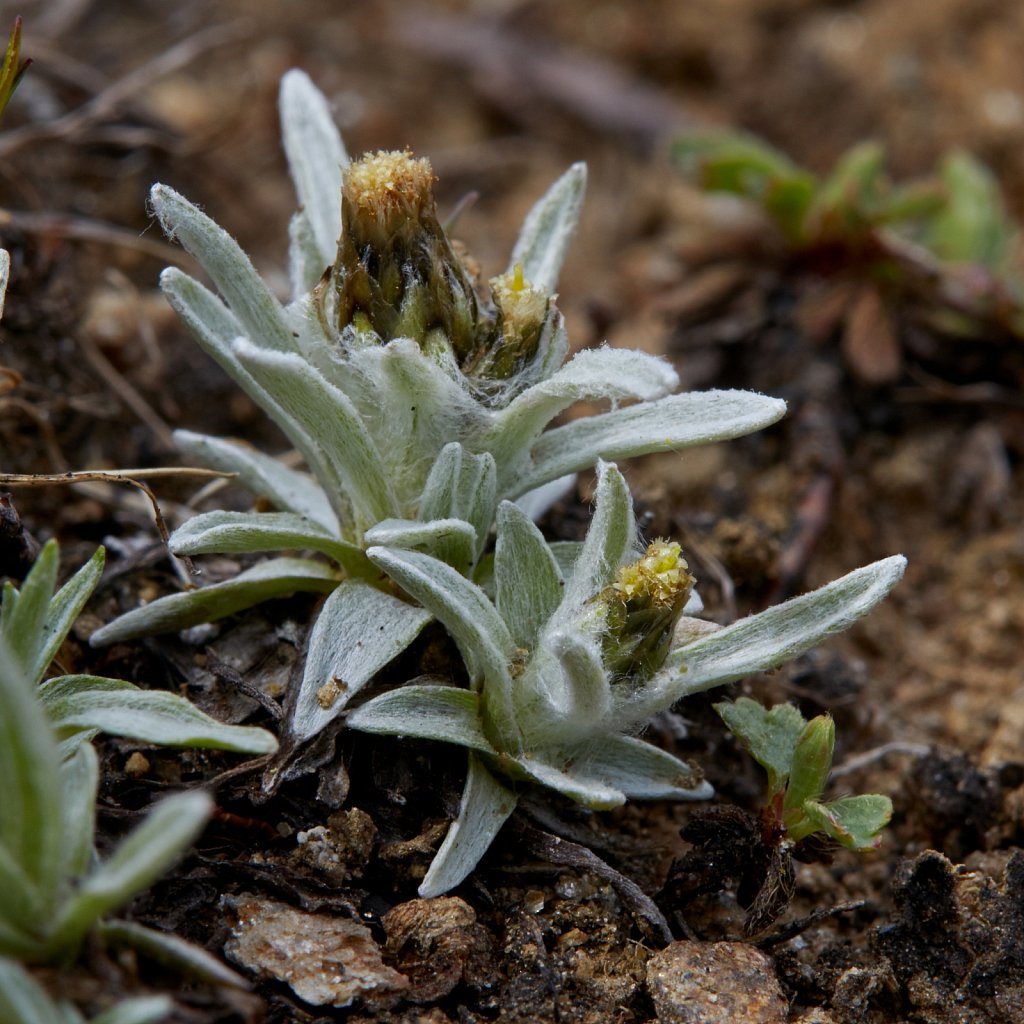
{"x":359,"y":630}
{"x":5,"y":269}
{"x":137,"y":861}
{"x":592,"y":792}
{"x":586,"y":701}
{"x":279,"y":577}
{"x":766,"y":640}
{"x":461,"y":485}
{"x":180,"y":956}
{"x":23,"y":616}
{"x":31,"y":811}
{"x":147,"y":716}
{"x":486,"y":805}
{"x":471,"y":620}
{"x":241,"y":532}
{"x":548,"y":228}
{"x":305,"y":262}
{"x":248,"y":298}
{"x":640,"y":770}
{"x":677,"y":421}
{"x":453,"y":541}
{"x":23,"y":909}
{"x":64,"y":609}
{"x":528,"y":585}
{"x":565,"y":553}
{"x":536,"y":502}
{"x":592,"y":375}
{"x":23,"y":1001}
{"x":444,"y":713}
{"x":611,"y":536}
{"x":79,"y":779}
{"x":142,"y":1010}
{"x":284,"y":488}
{"x":215,"y":328}
{"x":328,"y":415}
{"x":316,"y":155}
{"x":458,"y":604}
{"x":417,"y":407}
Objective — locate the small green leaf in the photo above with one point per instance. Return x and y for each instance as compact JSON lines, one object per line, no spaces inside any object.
{"x":770,"y":736}
{"x":461,"y":485}
{"x":280,"y":577}
{"x":142,"y":1010}
{"x":22,"y":1000}
{"x":452,"y":541}
{"x":79,"y":781}
{"x":812,"y":762}
{"x":852,"y":821}
{"x":848,"y":200}
{"x":64,"y":609}
{"x":119,"y":708}
{"x":24,"y":612}
{"x":138,"y":861}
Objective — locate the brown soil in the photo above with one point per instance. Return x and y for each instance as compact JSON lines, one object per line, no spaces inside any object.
{"x":502,"y":96}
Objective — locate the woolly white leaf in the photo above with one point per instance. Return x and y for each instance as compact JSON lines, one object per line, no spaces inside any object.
{"x":143,"y":1010}
{"x":359,"y":630}
{"x":548,"y":228}
{"x":240,"y":532}
{"x":640,"y":770}
{"x":592,"y":375}
{"x":279,"y":577}
{"x":443,"y":713}
{"x":677,"y":421}
{"x":215,"y":328}
{"x":259,"y":313}
{"x":481,"y":635}
{"x":23,"y":1001}
{"x":147,"y":716}
{"x":316,"y":155}
{"x":528,"y":585}
{"x":486,"y":805}
{"x":284,"y":488}
{"x":305,"y":261}
{"x":461,"y":486}
{"x":329,"y":415}
{"x":764,"y":641}
{"x":610,"y":538}
{"x":592,"y":792}
{"x":453,"y":541}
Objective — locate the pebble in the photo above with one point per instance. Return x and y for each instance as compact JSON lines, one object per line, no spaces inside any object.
{"x":715,"y":983}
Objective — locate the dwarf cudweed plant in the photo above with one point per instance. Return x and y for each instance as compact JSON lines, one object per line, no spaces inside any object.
{"x":418,"y":398}
{"x":797,"y":757}
{"x":566,"y":666}
{"x":35,"y":621}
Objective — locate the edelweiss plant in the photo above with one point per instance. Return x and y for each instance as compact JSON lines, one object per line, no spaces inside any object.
{"x":418,"y":399}
{"x":566,"y":667}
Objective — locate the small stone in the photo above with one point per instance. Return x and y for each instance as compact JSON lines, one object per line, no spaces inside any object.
{"x":715,"y":983}
{"x":137,"y":766}
{"x":327,"y":960}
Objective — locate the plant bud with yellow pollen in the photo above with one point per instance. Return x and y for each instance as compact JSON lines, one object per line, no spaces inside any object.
{"x":396,"y":273}
{"x":642,"y":605}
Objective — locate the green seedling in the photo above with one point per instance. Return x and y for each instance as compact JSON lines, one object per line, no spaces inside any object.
{"x":34,"y":622}
{"x":797,"y":756}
